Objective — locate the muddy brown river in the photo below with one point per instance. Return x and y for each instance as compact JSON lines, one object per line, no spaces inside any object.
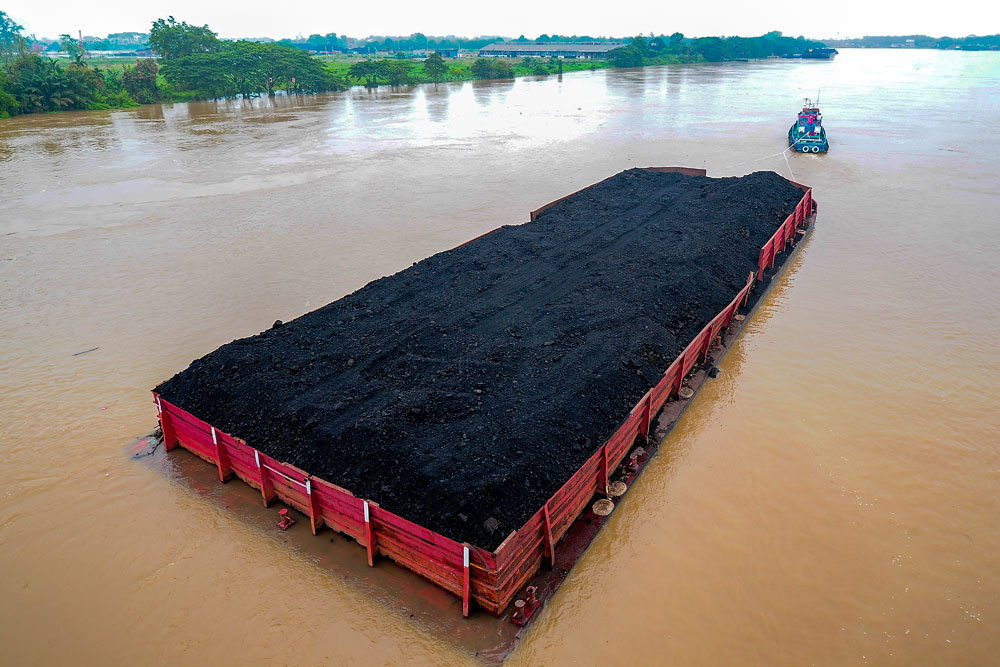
{"x":832,"y":498}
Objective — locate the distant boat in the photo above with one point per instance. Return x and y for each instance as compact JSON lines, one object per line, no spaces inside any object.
{"x":807,"y":134}
{"x":814,"y":54}
{"x":820,"y":54}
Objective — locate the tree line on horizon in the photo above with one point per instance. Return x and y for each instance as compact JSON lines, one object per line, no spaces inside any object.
{"x":968,"y":43}
{"x":664,"y":50}
{"x":193,"y":63}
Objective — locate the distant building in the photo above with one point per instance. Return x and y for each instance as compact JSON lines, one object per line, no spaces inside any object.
{"x":549,"y":49}
{"x":447,"y":53}
{"x":128,"y":37}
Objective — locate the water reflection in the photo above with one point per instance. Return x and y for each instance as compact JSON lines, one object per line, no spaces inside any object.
{"x":492,"y":92}
{"x":626,"y":82}
{"x":270,"y":118}
{"x":436,"y":97}
{"x":150,"y":112}
{"x":207,"y":110}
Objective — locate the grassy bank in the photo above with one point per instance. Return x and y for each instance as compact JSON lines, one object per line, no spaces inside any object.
{"x":107,"y":73}
{"x":195,"y":64}
{"x":460,"y":69}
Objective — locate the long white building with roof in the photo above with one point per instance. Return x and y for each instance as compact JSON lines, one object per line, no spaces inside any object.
{"x":549,"y":49}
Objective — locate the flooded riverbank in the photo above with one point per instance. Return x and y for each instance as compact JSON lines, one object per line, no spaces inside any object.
{"x":830,"y":498}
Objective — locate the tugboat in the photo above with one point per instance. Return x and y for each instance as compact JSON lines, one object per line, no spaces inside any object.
{"x":820,"y":54}
{"x":814,"y":54}
{"x":807,"y":134}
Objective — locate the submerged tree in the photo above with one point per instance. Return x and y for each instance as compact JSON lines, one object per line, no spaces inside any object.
{"x":249,"y":68}
{"x":491,"y":68}
{"x":435,"y":68}
{"x":369,"y":71}
{"x":170,"y":39}
{"x":399,"y":73}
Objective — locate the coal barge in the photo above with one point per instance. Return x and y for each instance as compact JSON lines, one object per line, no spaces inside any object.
{"x":234,"y":407}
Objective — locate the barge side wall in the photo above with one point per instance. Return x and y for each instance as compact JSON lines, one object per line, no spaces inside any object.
{"x":541,"y":534}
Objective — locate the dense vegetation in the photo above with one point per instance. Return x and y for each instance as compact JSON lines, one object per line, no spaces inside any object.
{"x":374,"y":45}
{"x":970,"y":43}
{"x":195,"y":60}
{"x":123,"y":41}
{"x":30,"y":83}
{"x":193,"y":63}
{"x":396,"y":72}
{"x":677,"y":48}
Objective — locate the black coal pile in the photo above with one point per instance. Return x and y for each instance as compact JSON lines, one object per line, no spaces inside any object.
{"x":462,"y":392}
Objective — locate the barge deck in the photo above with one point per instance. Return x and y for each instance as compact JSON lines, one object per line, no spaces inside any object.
{"x":558,"y":533}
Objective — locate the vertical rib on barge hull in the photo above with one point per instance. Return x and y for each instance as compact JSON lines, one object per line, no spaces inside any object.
{"x":491,"y":579}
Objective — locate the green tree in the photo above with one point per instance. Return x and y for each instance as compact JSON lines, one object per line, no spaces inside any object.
{"x":39,"y":84}
{"x":626,"y":56}
{"x":94,"y":90}
{"x":482,"y":68}
{"x":170,"y":39}
{"x":676,"y":44}
{"x":200,"y":73}
{"x":111,"y":80}
{"x":418,"y":41}
{"x":310,"y":75}
{"x":11,"y":41}
{"x":640,"y":44}
{"x":712,"y":49}
{"x":435,"y":68}
{"x":140,"y":81}
{"x":8,"y":103}
{"x":248,"y":68}
{"x":502,"y":70}
{"x":399,"y":73}
{"x":491,"y":68}
{"x":73,"y":48}
{"x":369,"y":71}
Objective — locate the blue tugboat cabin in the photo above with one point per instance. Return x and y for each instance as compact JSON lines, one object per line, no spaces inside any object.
{"x":807,"y":134}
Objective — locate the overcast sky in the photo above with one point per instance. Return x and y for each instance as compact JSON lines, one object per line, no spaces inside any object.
{"x":257,"y":18}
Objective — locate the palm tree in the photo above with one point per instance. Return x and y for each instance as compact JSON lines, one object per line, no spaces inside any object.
{"x":41,"y":85}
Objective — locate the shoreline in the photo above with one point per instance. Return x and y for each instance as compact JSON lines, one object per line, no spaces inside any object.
{"x":590,"y":66}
